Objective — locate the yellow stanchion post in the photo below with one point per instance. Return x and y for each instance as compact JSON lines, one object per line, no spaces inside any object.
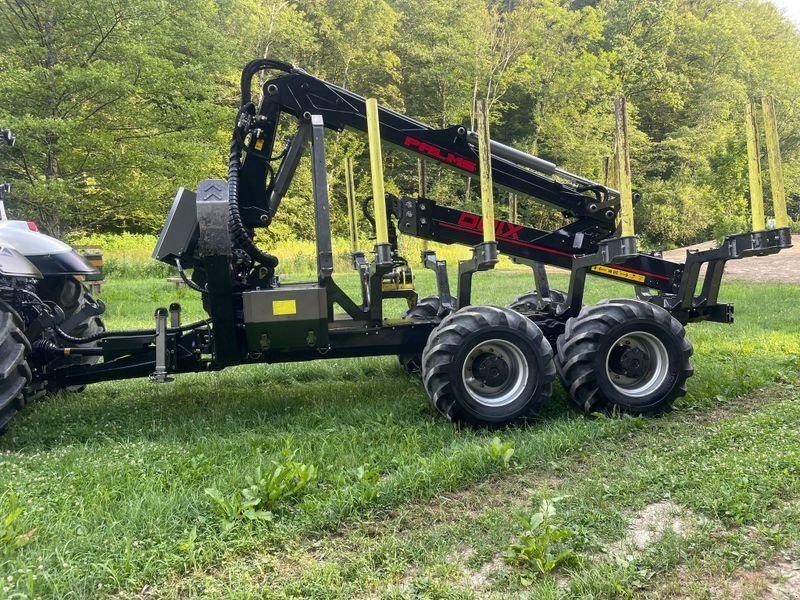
{"x":613,"y":171}
{"x":775,"y":167}
{"x":351,"y":204}
{"x":623,"y":167}
{"x":487,"y":191}
{"x":754,"y":167}
{"x":513,"y":207}
{"x":382,"y":248}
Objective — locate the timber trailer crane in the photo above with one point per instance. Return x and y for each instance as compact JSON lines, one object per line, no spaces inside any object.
{"x":481,"y":365}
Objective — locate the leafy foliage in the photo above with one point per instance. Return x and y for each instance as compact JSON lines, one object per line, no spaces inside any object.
{"x":500,"y":452}
{"x":117,"y":104}
{"x":542,"y":546}
{"x":12,"y":534}
{"x":265,"y":491}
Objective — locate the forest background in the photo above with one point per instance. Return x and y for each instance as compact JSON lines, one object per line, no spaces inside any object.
{"x":117,"y":103}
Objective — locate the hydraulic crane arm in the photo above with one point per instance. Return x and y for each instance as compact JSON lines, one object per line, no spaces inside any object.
{"x":299,"y":94}
{"x":587,"y":244}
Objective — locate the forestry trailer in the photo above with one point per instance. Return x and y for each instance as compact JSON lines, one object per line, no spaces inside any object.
{"x":480,"y":364}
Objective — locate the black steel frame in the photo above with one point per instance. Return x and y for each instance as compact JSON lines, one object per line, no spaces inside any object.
{"x":587,"y":245}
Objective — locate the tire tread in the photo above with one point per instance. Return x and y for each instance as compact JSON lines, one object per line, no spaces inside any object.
{"x":577,"y":348}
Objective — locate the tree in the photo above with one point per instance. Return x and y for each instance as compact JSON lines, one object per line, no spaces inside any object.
{"x":111,"y":102}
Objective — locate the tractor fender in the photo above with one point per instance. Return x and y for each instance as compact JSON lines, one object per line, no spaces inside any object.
{"x":49,"y":255}
{"x":14,"y":264}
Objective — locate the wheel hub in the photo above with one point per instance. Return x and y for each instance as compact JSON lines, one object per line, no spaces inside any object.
{"x":495,"y":372}
{"x":491,"y":369}
{"x":637,"y":364}
{"x":633,"y":362}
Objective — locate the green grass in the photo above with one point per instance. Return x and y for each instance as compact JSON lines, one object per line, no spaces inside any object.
{"x":127,"y":255}
{"x":113,"y":480}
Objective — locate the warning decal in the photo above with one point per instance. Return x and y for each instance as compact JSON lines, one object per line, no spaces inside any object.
{"x":619,"y":273}
{"x":284,"y":307}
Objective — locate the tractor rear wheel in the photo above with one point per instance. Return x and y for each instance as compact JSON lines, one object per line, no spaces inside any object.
{"x":15,"y":374}
{"x":625,"y":354}
{"x":426,"y":309}
{"x":487,"y":366}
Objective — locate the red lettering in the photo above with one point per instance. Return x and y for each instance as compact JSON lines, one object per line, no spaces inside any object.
{"x":501,"y":228}
{"x":436,"y":152}
{"x":411,"y":142}
{"x":512,"y":231}
{"x":470,"y":221}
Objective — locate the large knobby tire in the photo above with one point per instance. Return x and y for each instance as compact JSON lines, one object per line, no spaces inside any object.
{"x":625,"y":354}
{"x":73,"y":297}
{"x":487,"y":366}
{"x":531,"y":302}
{"x":15,"y":374}
{"x":426,"y":309}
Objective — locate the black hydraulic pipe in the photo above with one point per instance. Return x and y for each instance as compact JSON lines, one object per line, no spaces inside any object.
{"x":79,"y":351}
{"x":51,"y":349}
{"x":127,"y":332}
{"x":186,"y":279}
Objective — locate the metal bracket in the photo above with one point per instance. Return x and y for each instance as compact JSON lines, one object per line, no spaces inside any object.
{"x":609,"y":252}
{"x":686,"y":306}
{"x":212,"y":217}
{"x":215,"y":249}
{"x":484,"y":258}
{"x":446,"y":301}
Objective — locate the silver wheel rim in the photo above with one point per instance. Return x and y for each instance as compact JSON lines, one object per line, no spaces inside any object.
{"x":499,"y":393}
{"x":649,"y":361}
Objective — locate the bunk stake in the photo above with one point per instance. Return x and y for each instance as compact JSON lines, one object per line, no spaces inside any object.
{"x":513,"y":208}
{"x":623,"y":166}
{"x":484,"y":255}
{"x":774,"y":156}
{"x":322,"y":212}
{"x":351,"y":204}
{"x":487,"y":193}
{"x":754,"y":166}
{"x":383,"y":251}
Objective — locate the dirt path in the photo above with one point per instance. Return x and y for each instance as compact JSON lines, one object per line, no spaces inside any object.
{"x":783,"y":267}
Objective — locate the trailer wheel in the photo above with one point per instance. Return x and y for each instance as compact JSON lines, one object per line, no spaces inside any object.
{"x":426,"y":309}
{"x":487,"y":365}
{"x":625,"y":354}
{"x":81,"y":319}
{"x":15,"y":374}
{"x":530,"y":301}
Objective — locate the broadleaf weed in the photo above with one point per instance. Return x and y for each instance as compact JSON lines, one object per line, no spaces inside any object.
{"x":542,"y":545}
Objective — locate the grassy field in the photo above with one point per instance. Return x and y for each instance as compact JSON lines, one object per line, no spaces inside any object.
{"x":112,"y":492}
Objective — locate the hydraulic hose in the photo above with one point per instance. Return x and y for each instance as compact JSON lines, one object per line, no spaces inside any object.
{"x":241,"y":238}
{"x":239,"y":234}
{"x":253,"y":67}
{"x":186,"y":279}
{"x":132,"y":332}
